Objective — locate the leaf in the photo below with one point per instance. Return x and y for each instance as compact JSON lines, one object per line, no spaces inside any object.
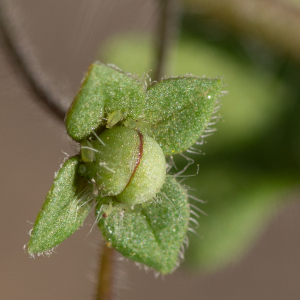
{"x":180,"y":110}
{"x":153,"y":235}
{"x":64,"y":210}
{"x":104,"y":90}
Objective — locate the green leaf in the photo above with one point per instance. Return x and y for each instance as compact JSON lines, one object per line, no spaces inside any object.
{"x":104,"y":90}
{"x":152,"y":235}
{"x":180,"y":110}
{"x":66,"y":206}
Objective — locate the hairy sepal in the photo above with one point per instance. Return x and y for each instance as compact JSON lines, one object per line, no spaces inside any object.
{"x":104,"y":90}
{"x":180,"y":110}
{"x":153,"y":234}
{"x":66,"y":206}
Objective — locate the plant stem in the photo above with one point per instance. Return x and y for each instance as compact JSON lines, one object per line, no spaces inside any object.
{"x":105,"y":290}
{"x":166,"y":32}
{"x":25,"y":60}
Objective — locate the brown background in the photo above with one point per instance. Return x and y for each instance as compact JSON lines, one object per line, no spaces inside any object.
{"x":65,"y":36}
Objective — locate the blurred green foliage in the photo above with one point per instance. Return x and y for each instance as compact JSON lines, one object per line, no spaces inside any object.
{"x":252,"y":162}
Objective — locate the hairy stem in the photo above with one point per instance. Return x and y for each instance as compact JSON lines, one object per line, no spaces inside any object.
{"x":166,"y":33}
{"x":106,"y":275}
{"x":167,"y":27}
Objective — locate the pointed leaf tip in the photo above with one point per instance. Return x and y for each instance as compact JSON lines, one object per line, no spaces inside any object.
{"x":66,"y":206}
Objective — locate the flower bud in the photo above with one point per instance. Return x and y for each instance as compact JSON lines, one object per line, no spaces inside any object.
{"x":127,"y":165}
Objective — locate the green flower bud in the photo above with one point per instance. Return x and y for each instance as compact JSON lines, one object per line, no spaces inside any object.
{"x":127,"y":165}
{"x":124,"y":166}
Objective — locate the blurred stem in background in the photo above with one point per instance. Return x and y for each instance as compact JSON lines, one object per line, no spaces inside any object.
{"x":24,"y":59}
{"x":166,"y":33}
{"x":274,"y":21}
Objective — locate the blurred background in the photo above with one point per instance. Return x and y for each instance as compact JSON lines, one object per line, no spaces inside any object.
{"x":248,"y":244}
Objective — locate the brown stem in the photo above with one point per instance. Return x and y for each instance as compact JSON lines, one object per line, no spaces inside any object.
{"x":105,"y":288}
{"x":166,"y":32}
{"x":24,"y":59}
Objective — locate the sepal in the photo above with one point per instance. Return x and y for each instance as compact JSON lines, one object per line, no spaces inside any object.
{"x":152,"y":233}
{"x":66,"y":206}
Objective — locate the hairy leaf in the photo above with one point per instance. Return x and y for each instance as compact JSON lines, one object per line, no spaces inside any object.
{"x":180,"y":110}
{"x":152,"y":235}
{"x":65,"y":208}
{"x":104,"y":90}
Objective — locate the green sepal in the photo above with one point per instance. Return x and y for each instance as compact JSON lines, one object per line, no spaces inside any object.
{"x":180,"y":110}
{"x":66,"y":206}
{"x":153,"y":234}
{"x":105,"y":89}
